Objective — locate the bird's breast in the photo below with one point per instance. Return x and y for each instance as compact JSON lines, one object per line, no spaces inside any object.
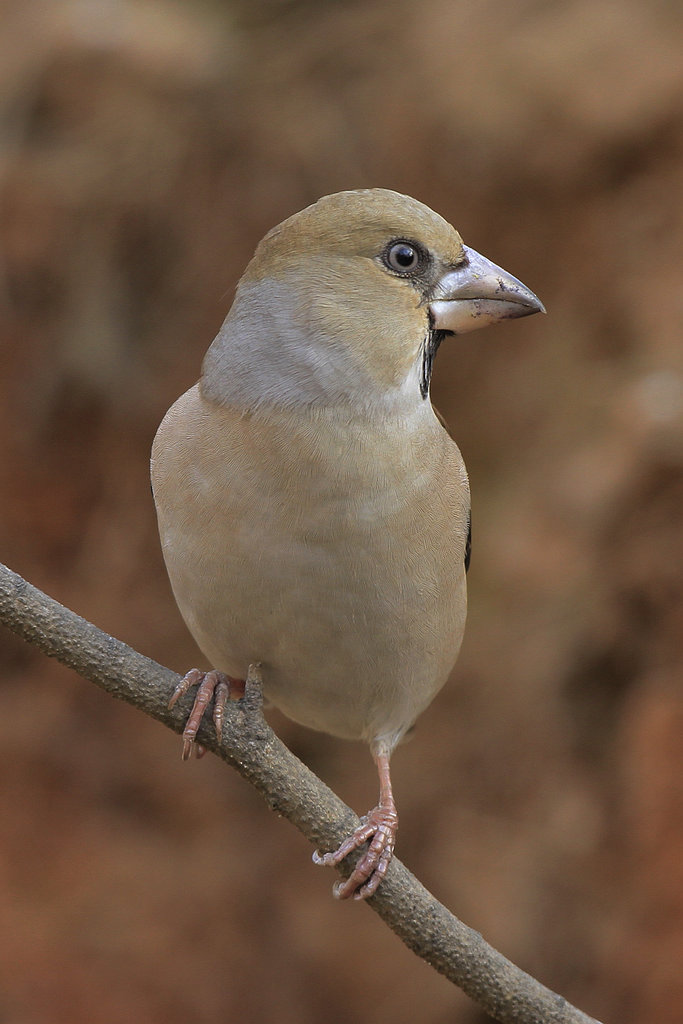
{"x":329,"y":550}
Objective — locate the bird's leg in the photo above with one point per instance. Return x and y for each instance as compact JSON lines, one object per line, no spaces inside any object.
{"x":379,"y":826}
{"x":209,"y":685}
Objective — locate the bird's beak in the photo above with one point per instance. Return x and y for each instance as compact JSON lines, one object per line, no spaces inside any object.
{"x":478,"y":293}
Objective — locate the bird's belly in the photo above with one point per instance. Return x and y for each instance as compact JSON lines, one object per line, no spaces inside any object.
{"x":332,"y":556}
{"x":356,"y":623}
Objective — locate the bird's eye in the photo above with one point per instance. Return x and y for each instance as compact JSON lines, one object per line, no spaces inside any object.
{"x":402,"y":257}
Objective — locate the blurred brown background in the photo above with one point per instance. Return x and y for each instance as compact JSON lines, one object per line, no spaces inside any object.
{"x":146,"y":147}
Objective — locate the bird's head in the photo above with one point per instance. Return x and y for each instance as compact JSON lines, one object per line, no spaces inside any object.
{"x":346,"y":302}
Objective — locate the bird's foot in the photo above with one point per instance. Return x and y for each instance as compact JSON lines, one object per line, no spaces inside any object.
{"x":209,"y":685}
{"x":380,"y":827}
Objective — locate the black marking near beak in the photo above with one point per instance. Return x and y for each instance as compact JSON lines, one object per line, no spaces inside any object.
{"x":429,"y":349}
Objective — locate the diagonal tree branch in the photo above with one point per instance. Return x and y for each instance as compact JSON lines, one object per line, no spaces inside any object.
{"x":250,"y":746}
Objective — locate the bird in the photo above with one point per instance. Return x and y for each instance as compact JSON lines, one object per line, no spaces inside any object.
{"x":313,"y":510}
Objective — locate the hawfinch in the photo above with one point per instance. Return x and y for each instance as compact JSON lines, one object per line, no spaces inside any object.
{"x":314,"y":513}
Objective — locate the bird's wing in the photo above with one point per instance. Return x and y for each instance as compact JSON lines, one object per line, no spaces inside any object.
{"x":468,"y":543}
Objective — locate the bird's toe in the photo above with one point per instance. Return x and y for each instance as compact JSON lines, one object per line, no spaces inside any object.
{"x":214,"y":686}
{"x":379,"y":827}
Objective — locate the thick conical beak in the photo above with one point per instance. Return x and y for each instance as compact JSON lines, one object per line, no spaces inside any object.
{"x":478,"y":293}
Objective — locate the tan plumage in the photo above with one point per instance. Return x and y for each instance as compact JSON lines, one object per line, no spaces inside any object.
{"x":313,"y":511}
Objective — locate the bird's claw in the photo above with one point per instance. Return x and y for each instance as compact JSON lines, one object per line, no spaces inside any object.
{"x":379,"y":827}
{"x":210,"y":685}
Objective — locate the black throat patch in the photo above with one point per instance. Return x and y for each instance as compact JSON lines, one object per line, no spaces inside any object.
{"x":429,"y":349}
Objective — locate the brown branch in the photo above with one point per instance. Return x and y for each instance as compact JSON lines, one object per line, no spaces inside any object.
{"x":249,"y":745}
